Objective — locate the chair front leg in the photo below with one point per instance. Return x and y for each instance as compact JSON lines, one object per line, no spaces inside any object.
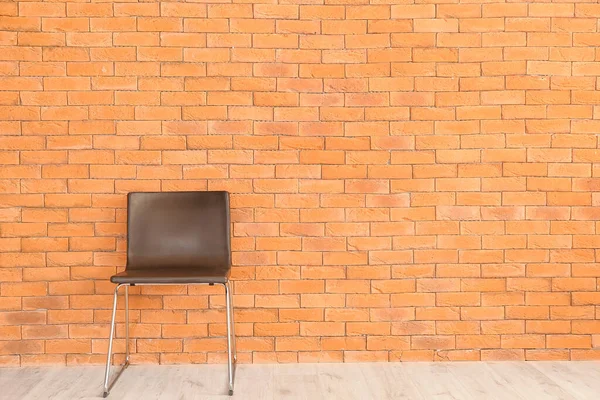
{"x":108,"y":387}
{"x":231,"y":357}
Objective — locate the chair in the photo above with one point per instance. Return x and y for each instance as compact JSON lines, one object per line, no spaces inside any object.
{"x":175,"y":238}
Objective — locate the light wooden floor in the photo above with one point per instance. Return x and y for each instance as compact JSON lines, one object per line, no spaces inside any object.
{"x":459,"y":380}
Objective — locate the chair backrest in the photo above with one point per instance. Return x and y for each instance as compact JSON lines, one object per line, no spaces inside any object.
{"x":178,"y":230}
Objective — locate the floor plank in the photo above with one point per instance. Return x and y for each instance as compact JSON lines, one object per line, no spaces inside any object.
{"x":336,"y":383}
{"x":368,"y":381}
{"x":434,"y":381}
{"x":390,"y":381}
{"x":571,"y":380}
{"x":481,"y":383}
{"x":529,"y":382}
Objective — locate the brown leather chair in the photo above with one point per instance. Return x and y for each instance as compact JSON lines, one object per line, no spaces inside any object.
{"x":175,"y":238}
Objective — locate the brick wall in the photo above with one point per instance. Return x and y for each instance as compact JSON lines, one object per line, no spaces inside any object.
{"x":410,"y":180}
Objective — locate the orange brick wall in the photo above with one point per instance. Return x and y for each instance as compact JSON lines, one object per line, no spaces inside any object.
{"x":411,"y":180}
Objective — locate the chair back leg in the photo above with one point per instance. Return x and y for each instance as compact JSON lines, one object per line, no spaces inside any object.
{"x":108,"y":387}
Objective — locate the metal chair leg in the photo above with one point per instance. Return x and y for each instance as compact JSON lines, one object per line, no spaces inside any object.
{"x":108,"y":387}
{"x":230,"y":340}
{"x":127,"y":324}
{"x":233,"y":341}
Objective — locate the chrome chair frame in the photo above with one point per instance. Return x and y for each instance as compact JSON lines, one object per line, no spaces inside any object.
{"x":231,"y":347}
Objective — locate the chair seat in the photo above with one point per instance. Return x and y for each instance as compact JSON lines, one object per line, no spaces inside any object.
{"x":172,"y":275}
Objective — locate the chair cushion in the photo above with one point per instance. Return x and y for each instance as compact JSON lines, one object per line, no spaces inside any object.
{"x":172,"y":275}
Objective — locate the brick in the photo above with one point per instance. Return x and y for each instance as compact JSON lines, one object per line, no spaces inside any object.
{"x":297,"y":343}
{"x":569,"y":341}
